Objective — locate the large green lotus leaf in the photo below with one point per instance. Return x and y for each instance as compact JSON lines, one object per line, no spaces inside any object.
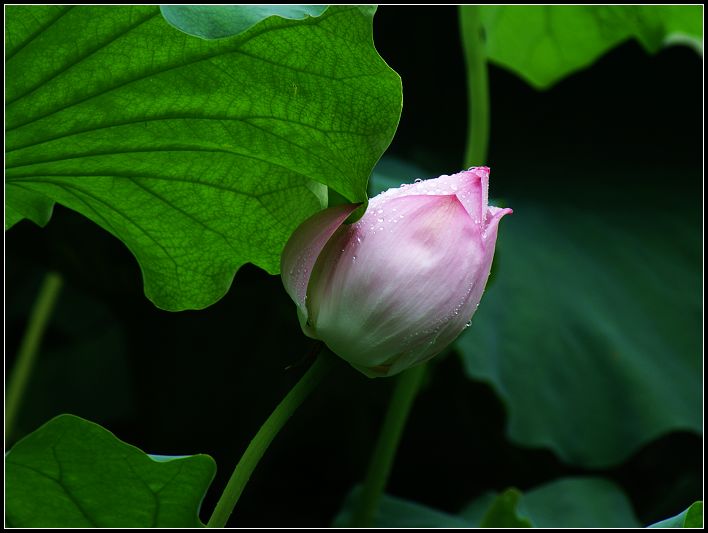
{"x":217,"y":22}
{"x":199,"y":155}
{"x":543,"y":44}
{"x":691,"y":517}
{"x":73,"y":473}
{"x":591,"y":331}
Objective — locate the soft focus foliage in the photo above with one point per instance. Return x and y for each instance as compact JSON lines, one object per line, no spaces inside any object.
{"x":568,"y":502}
{"x":543,"y":44}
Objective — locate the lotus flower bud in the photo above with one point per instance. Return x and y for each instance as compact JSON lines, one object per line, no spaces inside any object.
{"x":395,"y":288}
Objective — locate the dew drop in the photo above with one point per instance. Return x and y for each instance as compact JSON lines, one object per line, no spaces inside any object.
{"x":380,"y":219}
{"x":417,"y":180}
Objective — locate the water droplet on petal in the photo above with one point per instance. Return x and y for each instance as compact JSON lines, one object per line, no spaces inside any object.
{"x":418,"y":180}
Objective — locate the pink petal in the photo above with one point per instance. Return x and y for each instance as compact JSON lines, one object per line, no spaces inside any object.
{"x":398,"y":281}
{"x":303,"y":248}
{"x":470,"y":186}
{"x":453,"y":328}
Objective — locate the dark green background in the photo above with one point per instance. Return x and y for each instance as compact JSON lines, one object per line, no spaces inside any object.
{"x":628,"y":131}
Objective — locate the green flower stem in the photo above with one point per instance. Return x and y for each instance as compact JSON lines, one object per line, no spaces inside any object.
{"x":381,"y":462}
{"x":264,"y":437}
{"x":472,"y":34}
{"x":27,"y":356}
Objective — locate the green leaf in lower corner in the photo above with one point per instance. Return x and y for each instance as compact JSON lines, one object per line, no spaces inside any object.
{"x":543,"y":44}
{"x":691,"y":517}
{"x":73,"y":473}
{"x":398,"y":513}
{"x":591,"y":331}
{"x":217,"y":22}
{"x":200,"y":155}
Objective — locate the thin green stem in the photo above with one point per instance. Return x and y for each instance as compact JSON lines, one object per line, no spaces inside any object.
{"x":27,"y":356}
{"x":381,"y":462}
{"x":472,"y":34}
{"x":259,"y":444}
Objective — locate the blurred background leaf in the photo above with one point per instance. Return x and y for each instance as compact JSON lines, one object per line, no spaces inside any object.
{"x":199,"y":155}
{"x":543,"y":44}
{"x":398,"y":513}
{"x":593,"y":319}
{"x":576,"y":502}
{"x":73,"y":473}
{"x":216,"y":22}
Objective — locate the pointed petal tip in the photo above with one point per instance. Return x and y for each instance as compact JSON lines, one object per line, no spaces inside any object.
{"x":496,"y":213}
{"x":481,"y":171}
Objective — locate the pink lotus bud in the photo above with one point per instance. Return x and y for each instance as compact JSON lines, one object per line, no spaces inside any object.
{"x":395,"y":288}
